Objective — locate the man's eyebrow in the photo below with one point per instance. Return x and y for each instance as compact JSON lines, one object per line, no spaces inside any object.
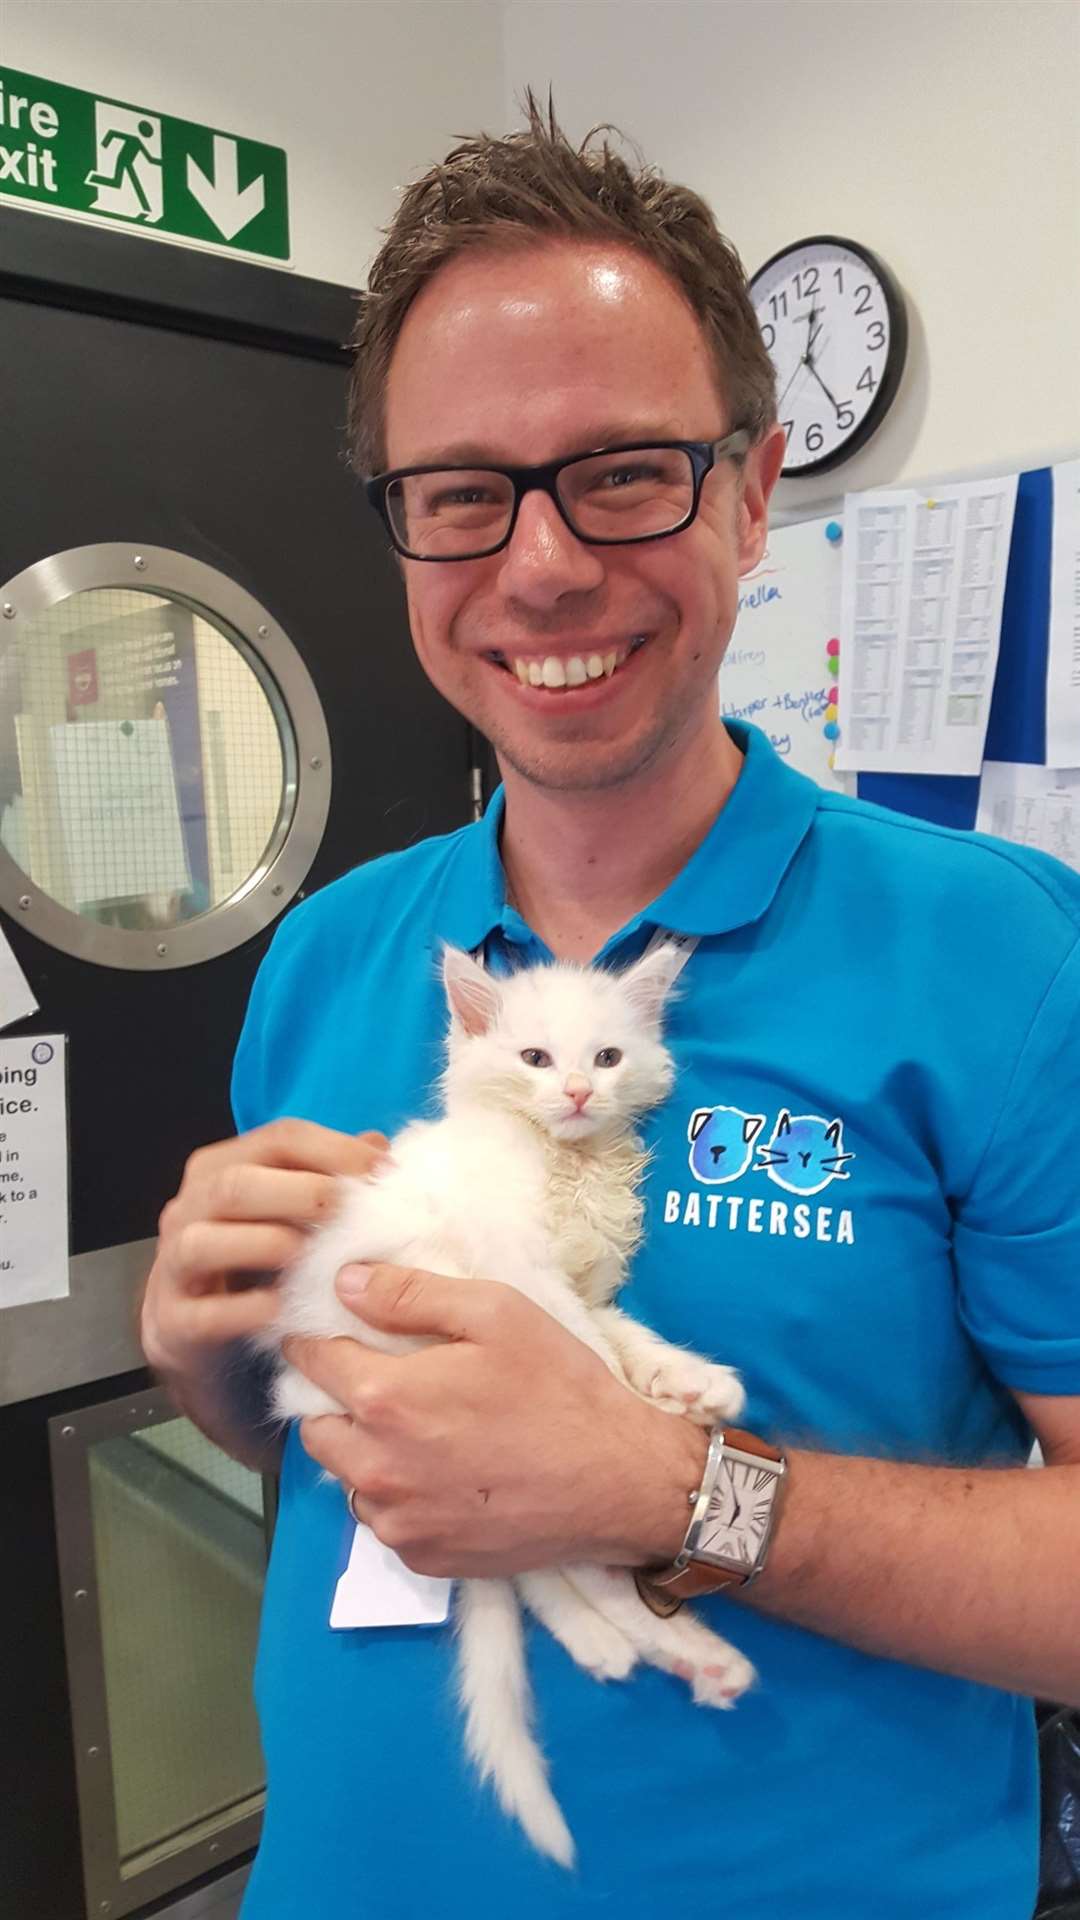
{"x":619,"y":434}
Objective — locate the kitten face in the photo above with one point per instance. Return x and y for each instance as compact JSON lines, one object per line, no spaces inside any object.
{"x":577,"y":1051}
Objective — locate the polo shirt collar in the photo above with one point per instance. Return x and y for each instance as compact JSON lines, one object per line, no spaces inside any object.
{"x":729,"y":882}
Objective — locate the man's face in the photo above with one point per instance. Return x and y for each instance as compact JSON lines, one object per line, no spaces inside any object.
{"x":551,"y":351}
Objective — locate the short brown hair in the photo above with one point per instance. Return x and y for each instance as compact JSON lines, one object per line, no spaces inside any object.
{"x":506,"y":193}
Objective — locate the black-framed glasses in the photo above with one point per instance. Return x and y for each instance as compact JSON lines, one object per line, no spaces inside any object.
{"x":607,"y":498}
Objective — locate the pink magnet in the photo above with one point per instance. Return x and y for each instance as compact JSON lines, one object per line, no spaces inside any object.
{"x":833,"y":646}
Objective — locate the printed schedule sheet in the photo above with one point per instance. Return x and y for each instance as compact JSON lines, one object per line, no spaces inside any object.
{"x":921,"y":599}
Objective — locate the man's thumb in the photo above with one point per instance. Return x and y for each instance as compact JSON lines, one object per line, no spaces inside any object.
{"x":404,"y":1299}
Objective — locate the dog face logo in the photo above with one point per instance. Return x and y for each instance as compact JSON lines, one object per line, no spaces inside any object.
{"x":722,"y":1143}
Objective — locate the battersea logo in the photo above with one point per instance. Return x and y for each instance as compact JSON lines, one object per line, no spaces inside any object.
{"x":803,"y":1154}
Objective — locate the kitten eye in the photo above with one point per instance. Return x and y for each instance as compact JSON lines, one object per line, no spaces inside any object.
{"x":607,"y":1057}
{"x":536,"y":1057}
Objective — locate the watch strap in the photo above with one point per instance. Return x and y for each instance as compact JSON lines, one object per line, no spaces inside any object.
{"x":664,"y":1589}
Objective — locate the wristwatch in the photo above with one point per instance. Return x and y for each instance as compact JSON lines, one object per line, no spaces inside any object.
{"x":734,"y":1514}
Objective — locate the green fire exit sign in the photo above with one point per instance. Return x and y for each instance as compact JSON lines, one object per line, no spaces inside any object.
{"x":86,"y":154}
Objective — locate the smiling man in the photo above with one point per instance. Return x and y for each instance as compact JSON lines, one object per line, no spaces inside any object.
{"x":566,"y":418}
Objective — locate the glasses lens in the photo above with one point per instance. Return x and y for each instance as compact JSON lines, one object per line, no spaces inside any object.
{"x":628,"y":495}
{"x":450,"y":515}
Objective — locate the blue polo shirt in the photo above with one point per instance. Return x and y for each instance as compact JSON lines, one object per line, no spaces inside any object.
{"x":863,"y":1194}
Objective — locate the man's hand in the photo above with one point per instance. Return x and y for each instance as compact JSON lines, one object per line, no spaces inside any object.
{"x":507,"y":1445}
{"x":244,"y":1210}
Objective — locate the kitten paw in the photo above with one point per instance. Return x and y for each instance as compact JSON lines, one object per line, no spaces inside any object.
{"x":719,"y":1684}
{"x":699,"y":1389}
{"x":294,"y":1397}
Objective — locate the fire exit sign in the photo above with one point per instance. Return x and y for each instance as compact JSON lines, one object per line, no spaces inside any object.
{"x":86,"y":154}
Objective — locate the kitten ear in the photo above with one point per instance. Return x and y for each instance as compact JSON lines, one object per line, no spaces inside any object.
{"x":649,"y":981}
{"x":472,"y":993}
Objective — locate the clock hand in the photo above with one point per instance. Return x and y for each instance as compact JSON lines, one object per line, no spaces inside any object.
{"x":822,"y":385}
{"x":801,"y":362}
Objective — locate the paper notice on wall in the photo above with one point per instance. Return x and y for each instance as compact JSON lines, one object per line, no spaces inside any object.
{"x":921,"y":598}
{"x":1035,"y":806}
{"x":1063,"y":656}
{"x":16,"y":999}
{"x":33,"y":1170}
{"x":776,"y":670}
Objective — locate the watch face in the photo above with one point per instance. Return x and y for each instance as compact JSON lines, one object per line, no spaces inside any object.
{"x":835,"y":329}
{"x":737,"y":1517}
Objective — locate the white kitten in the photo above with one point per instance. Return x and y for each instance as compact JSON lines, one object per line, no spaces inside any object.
{"x":532,"y":1178}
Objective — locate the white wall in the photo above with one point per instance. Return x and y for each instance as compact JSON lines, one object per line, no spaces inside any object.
{"x":943,"y":133}
{"x":361,"y":94}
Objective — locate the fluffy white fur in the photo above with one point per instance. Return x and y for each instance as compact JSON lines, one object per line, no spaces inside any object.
{"x":516,"y":1184}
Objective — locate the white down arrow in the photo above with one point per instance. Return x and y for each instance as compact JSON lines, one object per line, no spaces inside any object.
{"x":220,"y":198}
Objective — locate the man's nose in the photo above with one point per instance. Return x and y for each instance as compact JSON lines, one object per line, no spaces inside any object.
{"x":544,"y":560}
{"x":577,"y":1089}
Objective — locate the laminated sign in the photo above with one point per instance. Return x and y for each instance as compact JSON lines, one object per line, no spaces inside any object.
{"x":33,"y":1169}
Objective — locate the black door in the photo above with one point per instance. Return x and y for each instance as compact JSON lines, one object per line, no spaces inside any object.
{"x":153,"y":395}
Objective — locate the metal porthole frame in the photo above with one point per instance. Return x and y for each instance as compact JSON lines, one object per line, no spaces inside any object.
{"x":305,"y":746}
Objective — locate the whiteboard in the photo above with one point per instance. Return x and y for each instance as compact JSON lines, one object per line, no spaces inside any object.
{"x":775,"y":672}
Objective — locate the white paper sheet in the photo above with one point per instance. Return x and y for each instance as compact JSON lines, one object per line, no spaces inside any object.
{"x":1063,"y":657}
{"x":33,"y":1170}
{"x":377,"y":1589}
{"x":118,"y":803}
{"x":775,"y":672}
{"x":920,"y":626}
{"x":16,"y":999}
{"x":1035,"y":806}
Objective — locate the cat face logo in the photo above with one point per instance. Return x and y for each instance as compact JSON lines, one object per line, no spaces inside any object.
{"x":722,"y":1143}
{"x":805,"y":1152}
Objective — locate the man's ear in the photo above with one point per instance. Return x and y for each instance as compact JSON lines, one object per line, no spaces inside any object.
{"x":759,"y":475}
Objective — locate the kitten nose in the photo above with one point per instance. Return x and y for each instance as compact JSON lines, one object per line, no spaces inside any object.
{"x":577,"y":1089}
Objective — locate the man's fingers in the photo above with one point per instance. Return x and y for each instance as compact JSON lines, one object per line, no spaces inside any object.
{"x":357,"y":1377}
{"x":205,"y":1250}
{"x":243,"y":1191}
{"x":213,"y":1320}
{"x":299,"y":1144}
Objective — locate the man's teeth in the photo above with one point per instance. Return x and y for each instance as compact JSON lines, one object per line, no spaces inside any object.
{"x":574,"y":672}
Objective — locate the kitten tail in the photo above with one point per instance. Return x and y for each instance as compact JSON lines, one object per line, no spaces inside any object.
{"x":495,"y":1695}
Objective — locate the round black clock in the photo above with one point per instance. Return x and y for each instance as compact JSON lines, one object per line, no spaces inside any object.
{"x":833,"y":322}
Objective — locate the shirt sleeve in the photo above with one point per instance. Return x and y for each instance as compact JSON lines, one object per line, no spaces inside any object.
{"x":1017,"y":1231}
{"x":251,"y":1099}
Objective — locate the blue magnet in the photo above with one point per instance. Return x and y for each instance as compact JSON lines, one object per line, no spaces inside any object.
{"x":834,"y":531}
{"x":831,"y":730}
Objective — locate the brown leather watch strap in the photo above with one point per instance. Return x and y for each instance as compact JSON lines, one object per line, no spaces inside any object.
{"x":665,"y":1588}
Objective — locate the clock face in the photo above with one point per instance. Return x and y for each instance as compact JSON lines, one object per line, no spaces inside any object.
{"x":835,"y":329}
{"x":737,"y":1516}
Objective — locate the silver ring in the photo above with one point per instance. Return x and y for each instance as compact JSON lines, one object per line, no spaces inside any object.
{"x":349,"y":1498}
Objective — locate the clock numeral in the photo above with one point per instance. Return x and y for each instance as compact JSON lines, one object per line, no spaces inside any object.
{"x":815,"y":438}
{"x":863,"y":303}
{"x":768,"y":335}
{"x":789,"y":428}
{"x":838,"y":276}
{"x":876,"y":326}
{"x":866,"y":379}
{"x":845,"y":415}
{"x":778,"y":303}
{"x":811,"y":278}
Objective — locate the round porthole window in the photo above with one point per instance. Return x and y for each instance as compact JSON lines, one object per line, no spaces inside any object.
{"x":164,"y":761}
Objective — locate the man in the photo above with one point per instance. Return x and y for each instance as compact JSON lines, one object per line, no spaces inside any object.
{"x":883,"y":1012}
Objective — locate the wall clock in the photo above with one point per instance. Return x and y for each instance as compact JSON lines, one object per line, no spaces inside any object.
{"x":833,"y":321}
